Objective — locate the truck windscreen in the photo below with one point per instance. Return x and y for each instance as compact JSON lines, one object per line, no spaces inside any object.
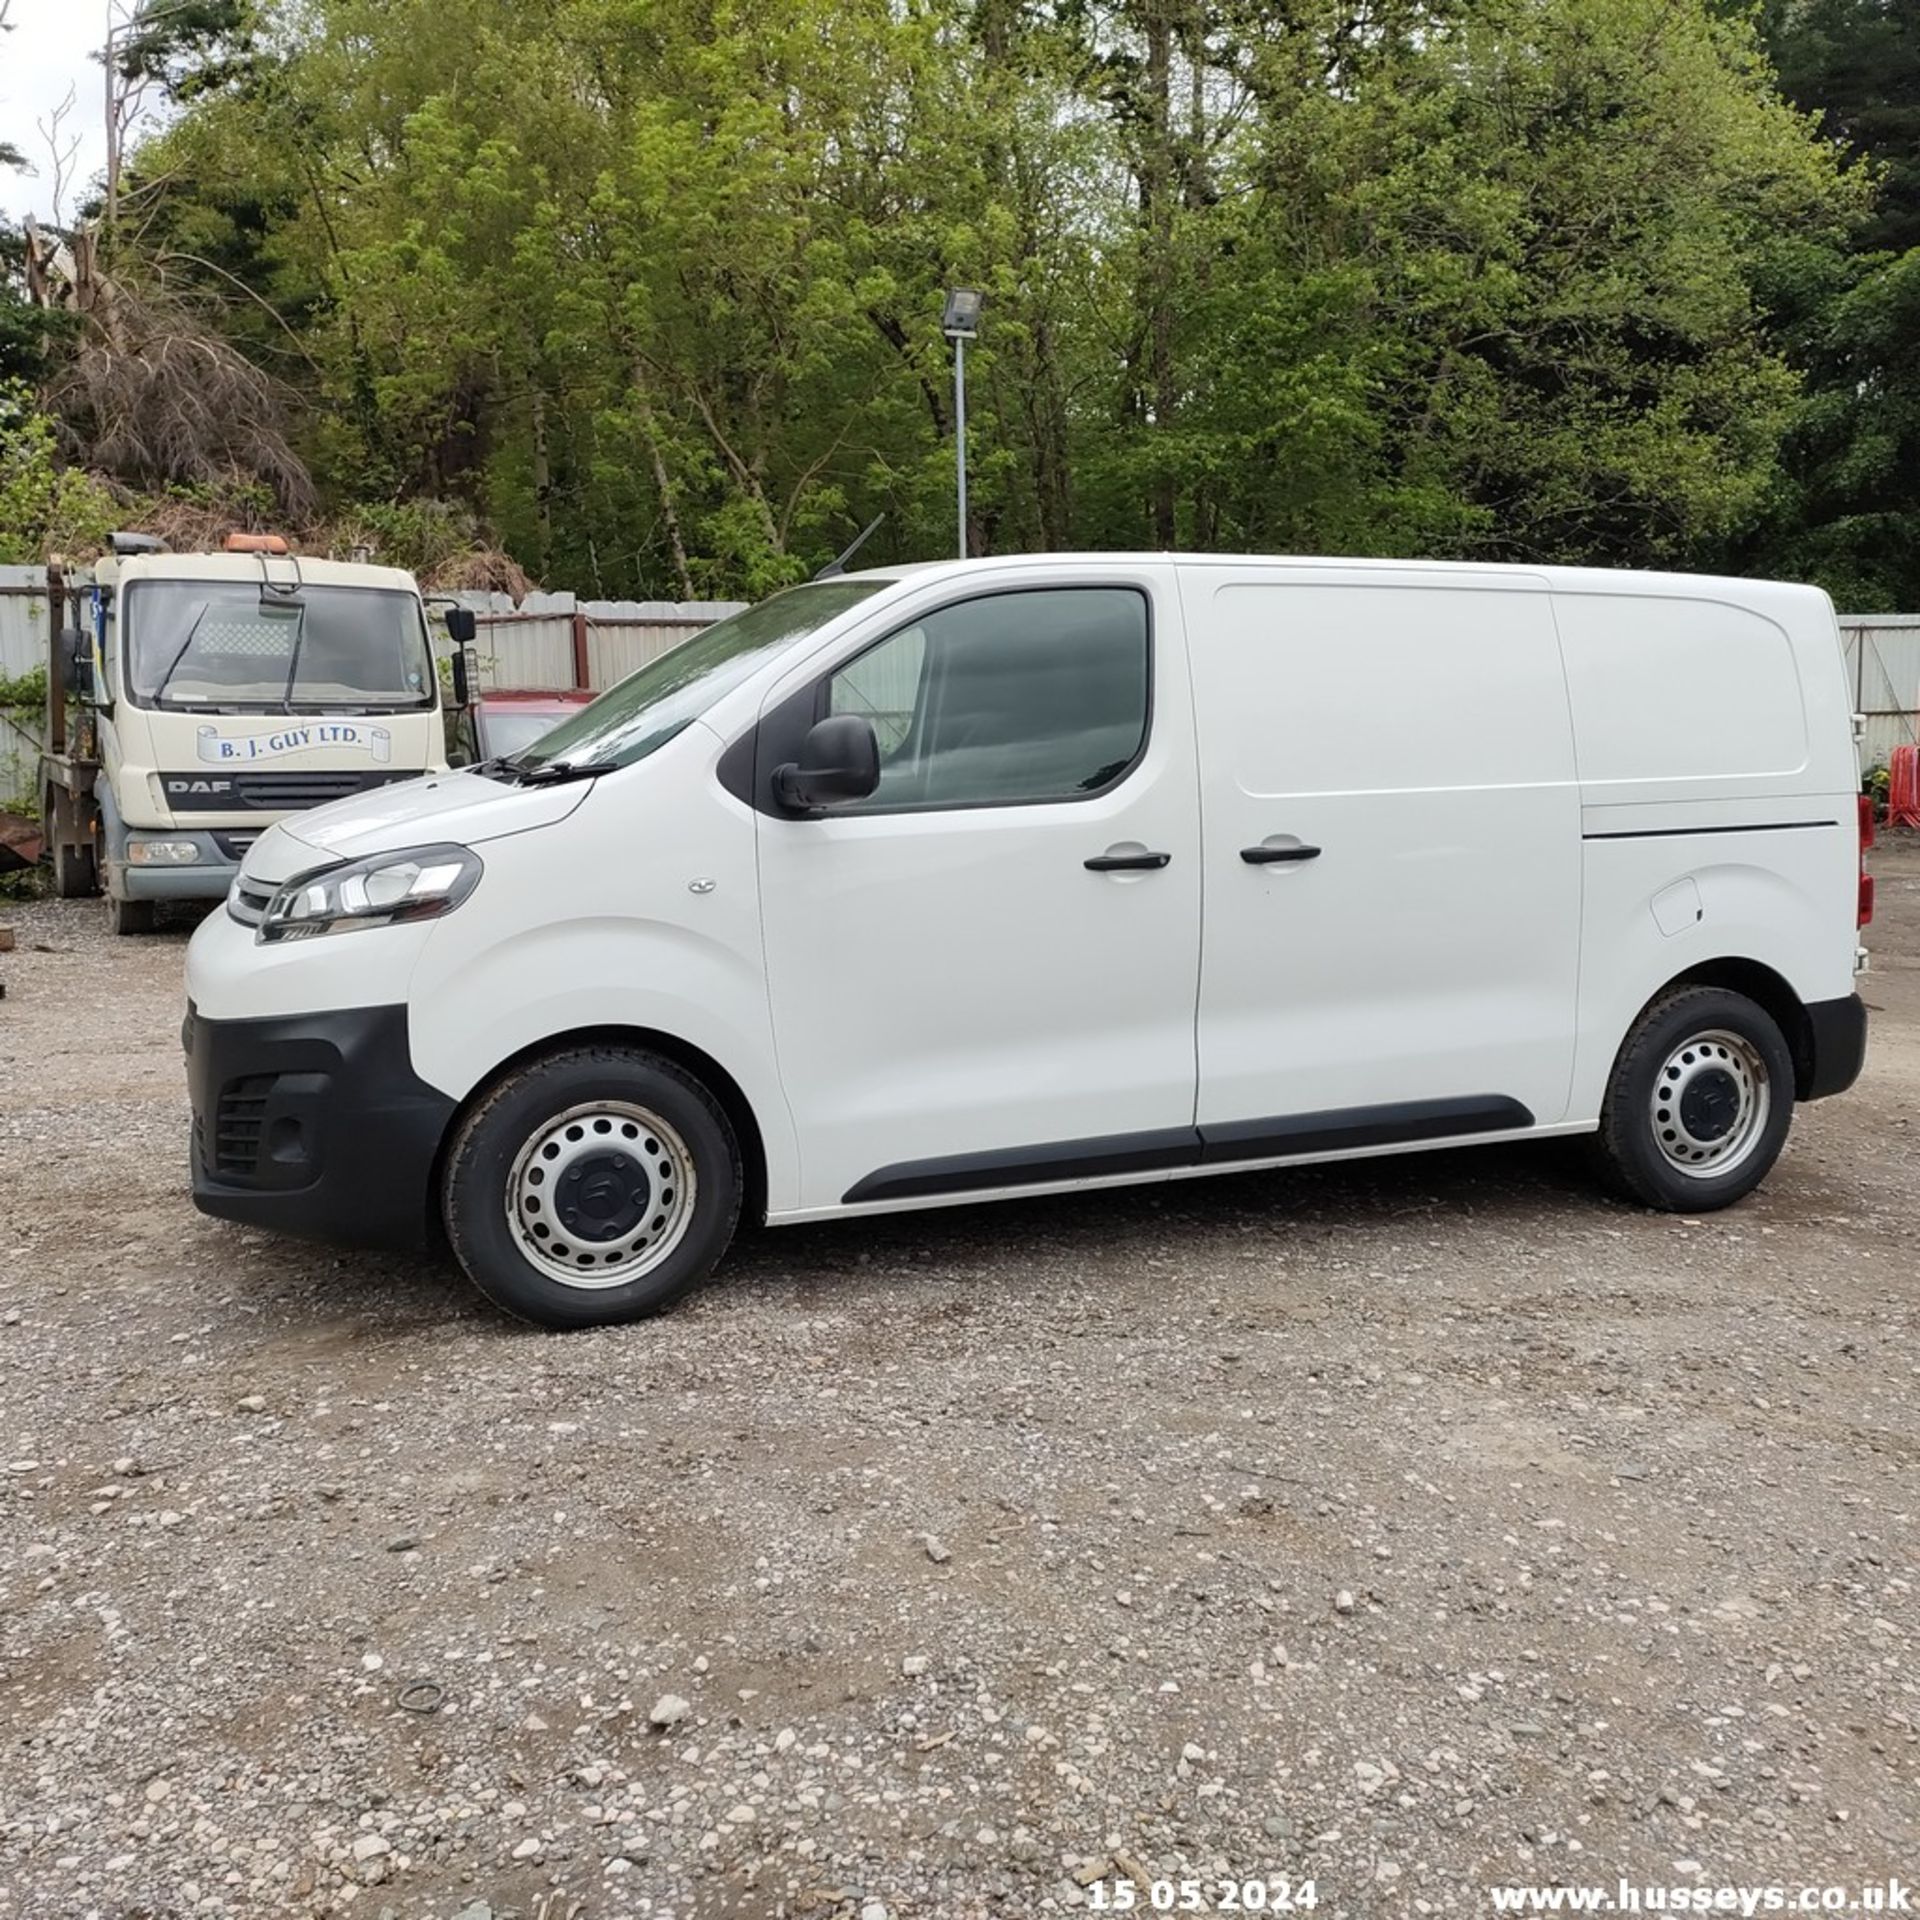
{"x":217,"y":643}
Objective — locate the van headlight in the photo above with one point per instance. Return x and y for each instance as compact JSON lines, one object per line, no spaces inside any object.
{"x":417,"y":884}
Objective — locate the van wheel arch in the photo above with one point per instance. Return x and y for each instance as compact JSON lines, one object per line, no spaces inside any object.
{"x":690,"y":1059}
{"x":1768,"y":990}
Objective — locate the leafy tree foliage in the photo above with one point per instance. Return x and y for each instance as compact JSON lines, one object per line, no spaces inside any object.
{"x":21,"y":334}
{"x":1847,"y":508}
{"x":653,"y":286}
{"x":45,"y":506}
{"x":1857,"y":63}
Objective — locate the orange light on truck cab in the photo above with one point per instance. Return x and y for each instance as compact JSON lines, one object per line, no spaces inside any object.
{"x":256,"y":543}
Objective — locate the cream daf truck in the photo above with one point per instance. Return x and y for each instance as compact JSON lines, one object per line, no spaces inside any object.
{"x":221,"y":692}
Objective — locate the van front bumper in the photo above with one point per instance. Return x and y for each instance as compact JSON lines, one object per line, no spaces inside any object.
{"x":315,"y":1124}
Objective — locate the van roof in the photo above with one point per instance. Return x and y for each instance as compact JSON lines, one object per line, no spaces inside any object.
{"x":1561,"y":579}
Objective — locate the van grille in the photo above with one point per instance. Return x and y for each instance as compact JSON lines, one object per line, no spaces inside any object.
{"x":238,"y":1123}
{"x":247,"y":901}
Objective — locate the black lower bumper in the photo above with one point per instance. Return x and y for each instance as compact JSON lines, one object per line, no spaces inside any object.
{"x":315,"y":1124}
{"x":1836,"y":1047}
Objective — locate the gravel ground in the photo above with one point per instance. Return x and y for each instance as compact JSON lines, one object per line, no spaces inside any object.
{"x":1410,"y":1526}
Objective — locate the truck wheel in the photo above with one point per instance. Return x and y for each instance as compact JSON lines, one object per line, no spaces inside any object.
{"x":132,"y":916}
{"x":64,"y":825}
{"x":1699,"y":1104}
{"x":73,"y":872}
{"x":592,"y":1186}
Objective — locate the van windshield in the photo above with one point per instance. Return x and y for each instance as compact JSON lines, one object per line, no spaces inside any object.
{"x":226,"y":645}
{"x":647,"y":708}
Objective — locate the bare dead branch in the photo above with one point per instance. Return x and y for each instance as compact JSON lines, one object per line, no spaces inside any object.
{"x":61,"y":148}
{"x":156,"y":397}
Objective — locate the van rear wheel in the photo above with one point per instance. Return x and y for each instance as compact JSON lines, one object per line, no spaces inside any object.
{"x":1699,"y":1104}
{"x":592,"y":1186}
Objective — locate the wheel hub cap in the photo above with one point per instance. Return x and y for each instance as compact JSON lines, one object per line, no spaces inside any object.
{"x":1710,"y":1103}
{"x":601,"y":1194}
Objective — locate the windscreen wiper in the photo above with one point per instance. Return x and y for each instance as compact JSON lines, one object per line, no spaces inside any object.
{"x":549,"y":772}
{"x":293,"y":657}
{"x":173,"y":665}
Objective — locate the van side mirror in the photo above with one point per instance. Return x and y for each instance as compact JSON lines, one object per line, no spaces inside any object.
{"x":462,"y":675}
{"x":461,"y":625}
{"x":839,"y":761}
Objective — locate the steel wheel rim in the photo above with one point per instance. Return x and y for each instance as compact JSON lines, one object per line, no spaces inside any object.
{"x":601,"y":1194}
{"x":1711,"y":1100}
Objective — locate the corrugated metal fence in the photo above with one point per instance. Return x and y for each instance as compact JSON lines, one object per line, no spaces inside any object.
{"x":550,"y":641}
{"x":1883,"y":669}
{"x":555,"y":640}
{"x":23,"y":646}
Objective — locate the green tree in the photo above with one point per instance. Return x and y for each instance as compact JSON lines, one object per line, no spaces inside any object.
{"x":1857,"y":64}
{"x":1846,"y":512}
{"x":22,"y":329}
{"x":651,"y":287}
{"x":46,"y":507}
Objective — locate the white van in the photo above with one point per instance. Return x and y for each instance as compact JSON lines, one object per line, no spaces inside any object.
{"x":1011,"y":876}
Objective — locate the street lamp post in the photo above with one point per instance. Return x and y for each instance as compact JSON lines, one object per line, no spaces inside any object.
{"x":961,"y":323}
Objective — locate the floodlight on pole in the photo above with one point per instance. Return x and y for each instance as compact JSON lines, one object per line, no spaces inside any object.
{"x":961,"y":323}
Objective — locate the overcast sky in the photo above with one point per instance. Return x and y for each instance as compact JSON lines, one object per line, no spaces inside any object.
{"x":47,"y":52}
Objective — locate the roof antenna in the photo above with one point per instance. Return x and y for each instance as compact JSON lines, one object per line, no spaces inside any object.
{"x":860,"y":540}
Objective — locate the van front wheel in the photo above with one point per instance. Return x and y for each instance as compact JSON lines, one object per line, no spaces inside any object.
{"x":1699,"y":1104}
{"x":591,"y":1186}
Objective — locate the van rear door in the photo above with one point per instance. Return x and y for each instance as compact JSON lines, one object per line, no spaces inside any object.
{"x":1391,"y":865}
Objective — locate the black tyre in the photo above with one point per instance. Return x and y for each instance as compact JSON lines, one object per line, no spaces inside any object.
{"x":73,"y":874}
{"x":132,"y":916}
{"x":590,"y":1187}
{"x":1699,"y":1104}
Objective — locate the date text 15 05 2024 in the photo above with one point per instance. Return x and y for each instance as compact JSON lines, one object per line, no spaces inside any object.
{"x":1274,"y":1893}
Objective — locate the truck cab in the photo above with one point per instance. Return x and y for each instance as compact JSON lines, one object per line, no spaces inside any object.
{"x":229,"y":690}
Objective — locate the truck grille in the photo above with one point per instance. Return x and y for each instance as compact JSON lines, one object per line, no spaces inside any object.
{"x":238,"y":1123}
{"x":297,"y":789}
{"x":269,"y":790}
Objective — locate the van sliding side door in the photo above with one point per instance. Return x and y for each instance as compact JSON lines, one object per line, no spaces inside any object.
{"x":1392,"y":857}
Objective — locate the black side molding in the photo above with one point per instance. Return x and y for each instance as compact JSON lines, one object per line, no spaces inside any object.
{"x":1031,"y":1166}
{"x":1687,"y":833}
{"x":1342,"y":1130}
{"x":1346,"y":1129}
{"x":1836,"y":1047}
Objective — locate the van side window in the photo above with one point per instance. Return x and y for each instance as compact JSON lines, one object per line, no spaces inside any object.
{"x":1009,"y":698}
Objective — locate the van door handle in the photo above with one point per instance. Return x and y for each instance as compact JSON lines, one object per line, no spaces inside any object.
{"x":1125,"y":862}
{"x":1272,"y":856}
